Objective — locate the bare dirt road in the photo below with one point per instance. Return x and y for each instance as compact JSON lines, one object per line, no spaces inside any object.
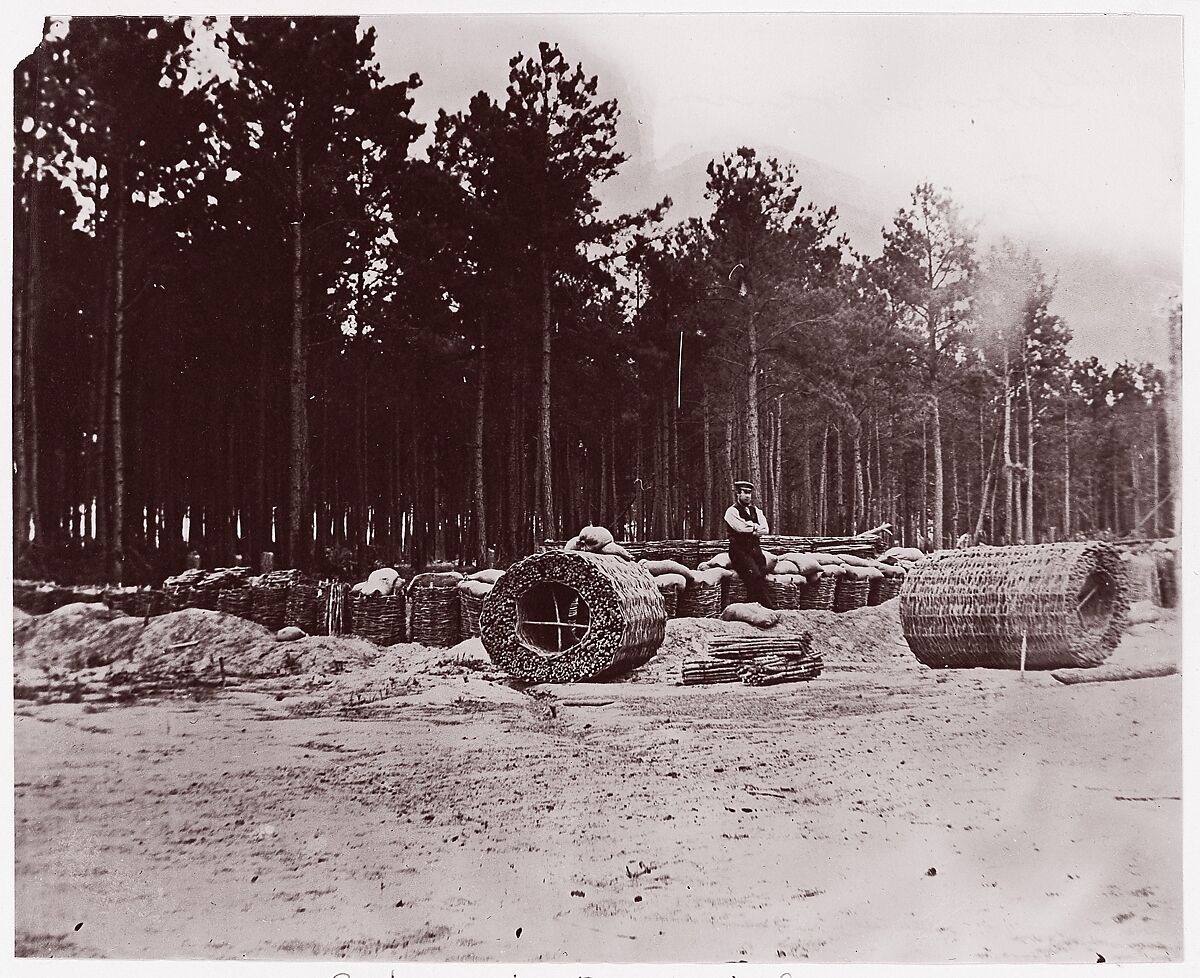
{"x":882,"y":812}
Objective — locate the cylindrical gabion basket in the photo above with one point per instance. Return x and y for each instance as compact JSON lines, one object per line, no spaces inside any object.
{"x":890,"y":588}
{"x":470,"y":608}
{"x":236,"y":601}
{"x":975,"y":607}
{"x":139,"y":604}
{"x":670,"y":597}
{"x":785,"y":594}
{"x":434,"y":606}
{"x":852,"y":592}
{"x":304,"y":609}
{"x":818,"y":595}
{"x":379,"y":618}
{"x":268,"y":605}
{"x":563,"y":617}
{"x":193,"y":597}
{"x":699,"y":600}
{"x":734,"y":592}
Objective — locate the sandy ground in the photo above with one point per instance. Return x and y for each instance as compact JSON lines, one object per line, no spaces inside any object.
{"x":412,"y":806}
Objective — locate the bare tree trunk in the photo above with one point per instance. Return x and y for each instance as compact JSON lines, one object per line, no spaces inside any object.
{"x":939,"y":479}
{"x":730,"y":475}
{"x":839,"y":481}
{"x":118,"y":373}
{"x":708,"y":513}
{"x":986,"y":493}
{"x":752,"y":429}
{"x":1066,"y":471}
{"x":777,"y":467}
{"x":1030,"y":530}
{"x":823,"y":485}
{"x":806,"y":520}
{"x":1008,"y":459}
{"x":480,"y":501}
{"x":545,"y":523}
{"x":858,"y":500}
{"x":298,"y":461}
{"x":1157,"y":489}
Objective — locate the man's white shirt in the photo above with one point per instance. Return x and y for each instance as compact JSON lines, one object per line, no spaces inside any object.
{"x":733,"y":519}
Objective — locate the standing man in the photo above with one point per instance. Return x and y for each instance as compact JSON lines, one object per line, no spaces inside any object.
{"x":746,"y":525}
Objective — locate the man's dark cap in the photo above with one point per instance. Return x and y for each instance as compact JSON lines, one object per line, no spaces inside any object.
{"x":749,"y":486}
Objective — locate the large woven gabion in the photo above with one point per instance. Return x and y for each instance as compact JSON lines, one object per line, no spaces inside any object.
{"x":618,"y":622}
{"x":967,"y":608}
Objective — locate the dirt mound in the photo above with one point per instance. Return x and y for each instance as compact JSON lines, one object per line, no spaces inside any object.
{"x":868,"y":636}
{"x":75,"y":636}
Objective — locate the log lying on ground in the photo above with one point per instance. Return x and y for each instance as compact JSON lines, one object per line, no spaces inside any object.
{"x":1063,"y":603}
{"x":568,"y":616}
{"x":1109,"y":674}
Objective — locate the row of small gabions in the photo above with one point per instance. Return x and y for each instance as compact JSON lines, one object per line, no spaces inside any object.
{"x":1064,"y":604}
{"x":570,"y":616}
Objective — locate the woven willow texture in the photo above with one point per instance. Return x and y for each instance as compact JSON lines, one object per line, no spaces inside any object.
{"x":699,"y":600}
{"x":973,"y":607}
{"x":851,"y":593}
{"x":433,"y":602}
{"x":670,"y":596}
{"x":470,"y":608}
{"x":379,"y":618}
{"x":626,"y":617}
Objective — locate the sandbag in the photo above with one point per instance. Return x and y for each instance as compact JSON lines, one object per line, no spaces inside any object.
{"x":657,"y":567}
{"x":387,"y":576}
{"x":720,"y":560}
{"x":771,"y":559}
{"x":371,"y":587}
{"x":290,"y":634}
{"x":477,"y":589}
{"x":490,"y":576}
{"x":751,"y":613}
{"x":806,"y":564}
{"x":784,"y":566}
{"x":829,"y":560}
{"x":899,"y":554}
{"x":855,"y":561}
{"x":616,"y":550}
{"x":873,"y":573}
{"x":712,"y":576}
{"x":677,"y":581}
{"x":798,"y":579}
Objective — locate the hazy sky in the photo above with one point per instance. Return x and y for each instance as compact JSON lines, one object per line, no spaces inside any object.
{"x":1065,"y":131}
{"x":1069,"y":126}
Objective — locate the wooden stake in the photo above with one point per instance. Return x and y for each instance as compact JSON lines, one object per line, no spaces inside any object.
{"x":1024,"y":640}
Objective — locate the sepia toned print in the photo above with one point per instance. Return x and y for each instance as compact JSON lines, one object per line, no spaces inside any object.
{"x":696,"y":488}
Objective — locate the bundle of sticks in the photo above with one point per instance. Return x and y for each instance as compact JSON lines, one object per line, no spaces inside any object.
{"x":756,"y":660}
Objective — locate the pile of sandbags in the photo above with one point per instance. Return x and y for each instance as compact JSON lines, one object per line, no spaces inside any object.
{"x":799,"y":580}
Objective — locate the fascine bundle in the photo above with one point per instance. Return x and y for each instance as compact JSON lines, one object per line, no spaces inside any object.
{"x":756,"y":660}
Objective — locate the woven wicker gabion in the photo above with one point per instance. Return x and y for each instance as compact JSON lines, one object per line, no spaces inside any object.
{"x":852,"y":592}
{"x":434,"y":608}
{"x":699,"y":600}
{"x":268,"y":603}
{"x":470,"y":608}
{"x":734,"y":592}
{"x":785,"y":594}
{"x":236,"y":601}
{"x":530,"y":630}
{"x":818,"y":595}
{"x":379,"y":618}
{"x":968,"y":608}
{"x":670,"y":596}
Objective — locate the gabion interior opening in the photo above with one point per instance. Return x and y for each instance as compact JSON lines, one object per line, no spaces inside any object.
{"x":1096,"y":598}
{"x":552,"y":618}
